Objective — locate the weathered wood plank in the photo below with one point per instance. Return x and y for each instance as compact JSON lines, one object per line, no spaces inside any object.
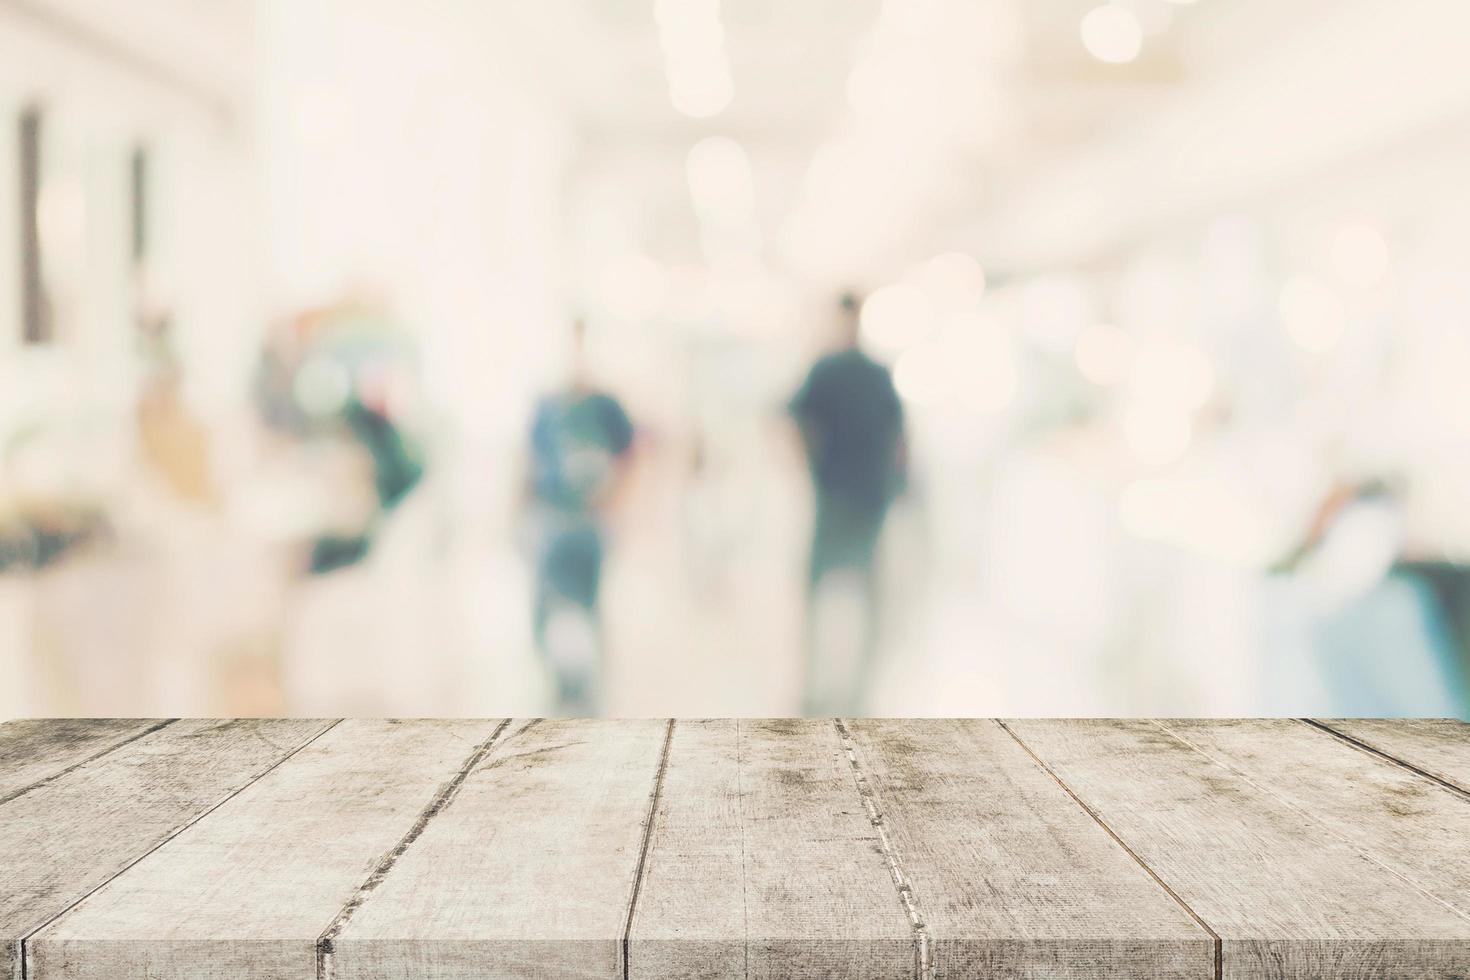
{"x":528,"y":873}
{"x":247,"y":891}
{"x":67,"y":837}
{"x":437,"y":850}
{"x":1404,"y":821}
{"x":33,"y":750}
{"x":1288,"y":897}
{"x":1012,"y":876}
{"x":762,"y":862}
{"x":1439,"y":746}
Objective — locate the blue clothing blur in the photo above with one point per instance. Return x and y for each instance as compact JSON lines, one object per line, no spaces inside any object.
{"x":1390,"y":652}
{"x":852,"y":421}
{"x":575,"y":440}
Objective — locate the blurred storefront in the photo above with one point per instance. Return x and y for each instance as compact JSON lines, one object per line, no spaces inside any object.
{"x":1172,"y":294}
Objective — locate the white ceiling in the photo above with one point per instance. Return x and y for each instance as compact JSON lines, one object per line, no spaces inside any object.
{"x":600,"y":63}
{"x":600,"y":59}
{"x":1052,"y":110}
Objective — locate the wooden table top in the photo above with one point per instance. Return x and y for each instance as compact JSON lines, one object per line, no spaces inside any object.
{"x":790,"y":849}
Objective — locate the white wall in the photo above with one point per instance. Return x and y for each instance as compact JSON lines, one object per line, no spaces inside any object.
{"x":110,"y":75}
{"x":166,"y":74}
{"x":406,"y":155}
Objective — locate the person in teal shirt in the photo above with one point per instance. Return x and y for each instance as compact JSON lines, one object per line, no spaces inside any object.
{"x":580,"y":440}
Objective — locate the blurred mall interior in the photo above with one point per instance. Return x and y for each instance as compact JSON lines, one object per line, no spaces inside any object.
{"x":303,"y":304}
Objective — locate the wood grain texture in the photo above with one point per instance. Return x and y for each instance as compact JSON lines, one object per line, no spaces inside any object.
{"x":62,"y":840}
{"x":1403,"y":821}
{"x":34,"y":750}
{"x":247,"y":892}
{"x":1289,"y":897}
{"x":762,"y":862}
{"x":869,"y":849}
{"x":1439,"y":746}
{"x":1012,"y":875}
{"x":528,"y":873}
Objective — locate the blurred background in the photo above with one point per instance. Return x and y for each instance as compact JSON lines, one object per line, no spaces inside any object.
{"x":734,"y":357}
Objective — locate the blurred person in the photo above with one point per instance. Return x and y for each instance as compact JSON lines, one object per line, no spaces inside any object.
{"x":1379,"y":637}
{"x":852,"y":429}
{"x":336,"y":376}
{"x":581,"y":439}
{"x":174,"y":443}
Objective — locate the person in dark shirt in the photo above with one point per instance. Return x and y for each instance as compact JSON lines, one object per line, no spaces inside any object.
{"x":852,"y":428}
{"x":580,"y":441}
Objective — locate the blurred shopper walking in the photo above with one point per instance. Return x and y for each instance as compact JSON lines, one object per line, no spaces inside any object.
{"x":580,"y":442}
{"x":851,"y":424}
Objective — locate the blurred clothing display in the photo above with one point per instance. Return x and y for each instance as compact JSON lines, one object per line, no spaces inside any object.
{"x":1371,"y":634}
{"x":1449,"y":584}
{"x":1389,"y":654}
{"x":175,"y":444}
{"x":341,"y":375}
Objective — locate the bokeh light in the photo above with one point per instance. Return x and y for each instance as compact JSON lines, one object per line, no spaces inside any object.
{"x":1112,"y":33}
{"x":1313,"y":314}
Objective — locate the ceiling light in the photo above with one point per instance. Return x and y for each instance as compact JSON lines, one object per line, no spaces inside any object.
{"x":719,"y":180}
{"x":1104,"y":354}
{"x":1360,"y":256}
{"x":1313,"y":314}
{"x":632,"y":287}
{"x":693,"y":41}
{"x":1157,"y":436}
{"x":1054,"y":309}
{"x":1172,"y":375}
{"x":1112,"y":33}
{"x":896,"y":317}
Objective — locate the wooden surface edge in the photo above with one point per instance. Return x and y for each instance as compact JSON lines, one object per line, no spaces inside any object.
{"x":1237,"y":955}
{"x":21,"y":946}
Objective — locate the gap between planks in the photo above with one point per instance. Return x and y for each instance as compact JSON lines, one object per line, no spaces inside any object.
{"x":1224,"y":763}
{"x":740,"y":796}
{"x":639,"y":869}
{"x":25,"y":952}
{"x":1378,"y":753}
{"x":45,"y":780}
{"x":442,"y":800}
{"x":1097,"y":818}
{"x":435,"y":806}
{"x":924,"y":966}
